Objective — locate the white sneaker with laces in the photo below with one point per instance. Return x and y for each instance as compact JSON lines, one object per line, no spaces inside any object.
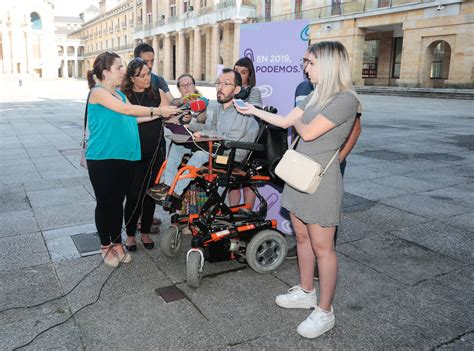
{"x":296,"y":297}
{"x":317,"y":323}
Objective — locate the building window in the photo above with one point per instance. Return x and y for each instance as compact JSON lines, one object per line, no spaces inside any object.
{"x":112,"y":43}
{"x":35,"y":21}
{"x":268,"y":9}
{"x":397,"y":57}
{"x":124,"y":40}
{"x":371,"y":58}
{"x":173,"y":8}
{"x":298,"y":4}
{"x":187,"y":6}
{"x":384,"y":3}
{"x":438,"y":61}
{"x":203,"y":3}
{"x":335,"y":7}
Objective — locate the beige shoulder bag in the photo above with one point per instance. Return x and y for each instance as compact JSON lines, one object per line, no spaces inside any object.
{"x":300,"y":171}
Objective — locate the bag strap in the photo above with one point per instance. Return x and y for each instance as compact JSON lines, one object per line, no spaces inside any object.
{"x":85,"y":113}
{"x":329,"y":163}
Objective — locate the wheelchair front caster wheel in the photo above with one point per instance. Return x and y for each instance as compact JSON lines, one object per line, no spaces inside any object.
{"x":266,"y":251}
{"x":194,"y":269}
{"x":170,"y":241}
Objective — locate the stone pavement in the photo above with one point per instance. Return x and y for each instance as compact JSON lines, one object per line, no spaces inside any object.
{"x":405,"y":246}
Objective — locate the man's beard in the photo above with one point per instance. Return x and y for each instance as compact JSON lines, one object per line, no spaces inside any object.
{"x":224,"y":99}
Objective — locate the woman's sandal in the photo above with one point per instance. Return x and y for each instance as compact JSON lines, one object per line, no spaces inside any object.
{"x":109,"y":256}
{"x":122,"y":255}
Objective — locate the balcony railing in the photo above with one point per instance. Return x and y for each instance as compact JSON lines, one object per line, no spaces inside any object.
{"x":345,"y":8}
{"x":128,"y":47}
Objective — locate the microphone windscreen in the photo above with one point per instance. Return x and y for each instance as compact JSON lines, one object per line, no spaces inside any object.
{"x":197,"y":105}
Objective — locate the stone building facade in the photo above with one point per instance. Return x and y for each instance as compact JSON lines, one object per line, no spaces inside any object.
{"x":412,"y":43}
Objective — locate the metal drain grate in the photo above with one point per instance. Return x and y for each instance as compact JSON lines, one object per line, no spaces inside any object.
{"x":87,"y":243}
{"x":170,"y":293}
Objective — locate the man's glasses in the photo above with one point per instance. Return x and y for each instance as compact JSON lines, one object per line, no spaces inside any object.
{"x":223,"y":84}
{"x":188,"y":85}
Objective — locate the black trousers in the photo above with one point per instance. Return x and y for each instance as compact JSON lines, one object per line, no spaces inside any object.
{"x":138,"y":203}
{"x":111,"y":180}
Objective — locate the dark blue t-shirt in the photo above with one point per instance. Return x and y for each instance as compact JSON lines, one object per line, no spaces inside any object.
{"x":158,"y":82}
{"x":302,"y":90}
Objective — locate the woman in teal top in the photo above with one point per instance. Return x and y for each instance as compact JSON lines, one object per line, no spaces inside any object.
{"x":113,"y":148}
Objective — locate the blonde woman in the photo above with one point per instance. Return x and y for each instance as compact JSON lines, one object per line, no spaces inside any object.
{"x":323,"y":121}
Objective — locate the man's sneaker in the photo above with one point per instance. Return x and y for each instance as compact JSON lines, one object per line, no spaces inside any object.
{"x":317,"y":323}
{"x":292,"y":254}
{"x":297,"y":298}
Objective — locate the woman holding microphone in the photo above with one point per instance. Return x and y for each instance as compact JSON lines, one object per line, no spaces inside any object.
{"x":113,"y":147}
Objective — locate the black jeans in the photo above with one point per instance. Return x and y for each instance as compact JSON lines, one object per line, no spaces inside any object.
{"x":111,"y":180}
{"x":138,"y":203}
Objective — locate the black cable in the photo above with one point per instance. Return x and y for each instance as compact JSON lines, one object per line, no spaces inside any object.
{"x":72,"y":314}
{"x":54,"y":298}
{"x":147,"y":175}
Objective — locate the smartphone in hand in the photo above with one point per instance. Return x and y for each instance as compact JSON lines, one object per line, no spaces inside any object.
{"x":240,"y":103}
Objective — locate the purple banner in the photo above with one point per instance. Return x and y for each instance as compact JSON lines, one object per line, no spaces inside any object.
{"x":276,"y":49}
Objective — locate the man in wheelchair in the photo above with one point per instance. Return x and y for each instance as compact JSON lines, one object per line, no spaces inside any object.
{"x":226,"y":124}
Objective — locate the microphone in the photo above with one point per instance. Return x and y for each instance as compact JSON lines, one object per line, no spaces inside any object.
{"x":197,"y":106}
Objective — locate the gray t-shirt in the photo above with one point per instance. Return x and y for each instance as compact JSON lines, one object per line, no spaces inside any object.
{"x":228,"y":124}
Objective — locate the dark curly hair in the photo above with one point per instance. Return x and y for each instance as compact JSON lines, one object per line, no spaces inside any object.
{"x":133,"y":69}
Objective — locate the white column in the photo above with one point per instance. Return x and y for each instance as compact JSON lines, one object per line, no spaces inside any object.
{"x":155,"y":48}
{"x":191,"y":53}
{"x":167,"y":57}
{"x":65,"y":65}
{"x":215,"y":46}
{"x":76,"y":63}
{"x":197,"y":54}
{"x":181,"y":67}
{"x":236,"y":40}
{"x":7,"y":51}
{"x":208,"y":54}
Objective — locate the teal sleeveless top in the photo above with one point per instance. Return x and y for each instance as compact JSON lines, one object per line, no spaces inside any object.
{"x":112,"y":135}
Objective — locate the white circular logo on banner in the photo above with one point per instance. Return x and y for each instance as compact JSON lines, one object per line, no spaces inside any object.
{"x":266,"y":90}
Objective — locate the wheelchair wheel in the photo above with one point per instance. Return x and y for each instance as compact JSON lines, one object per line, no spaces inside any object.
{"x":170,"y":241}
{"x":266,"y":251}
{"x":193,"y":269}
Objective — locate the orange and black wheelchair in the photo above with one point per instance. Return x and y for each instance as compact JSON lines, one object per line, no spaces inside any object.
{"x":221,"y":232}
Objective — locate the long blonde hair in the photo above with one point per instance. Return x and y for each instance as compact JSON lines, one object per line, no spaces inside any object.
{"x":334,"y":72}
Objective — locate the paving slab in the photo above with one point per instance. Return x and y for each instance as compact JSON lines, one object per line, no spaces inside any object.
{"x":28,"y":286}
{"x":59,"y":196}
{"x":370,"y":190}
{"x":429,"y":206}
{"x":441,"y":238}
{"x":14,"y":202}
{"x":407,"y":184}
{"x":18,"y":327}
{"x":241,"y":305}
{"x":464,"y":221}
{"x":65,"y":215}
{"x":399,"y":259}
{"x":176,"y":325}
{"x":385,"y":217}
{"x":23,"y":251}
{"x":17,"y":222}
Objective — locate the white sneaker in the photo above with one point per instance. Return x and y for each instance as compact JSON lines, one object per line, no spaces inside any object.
{"x":317,"y":323}
{"x":297,"y":298}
